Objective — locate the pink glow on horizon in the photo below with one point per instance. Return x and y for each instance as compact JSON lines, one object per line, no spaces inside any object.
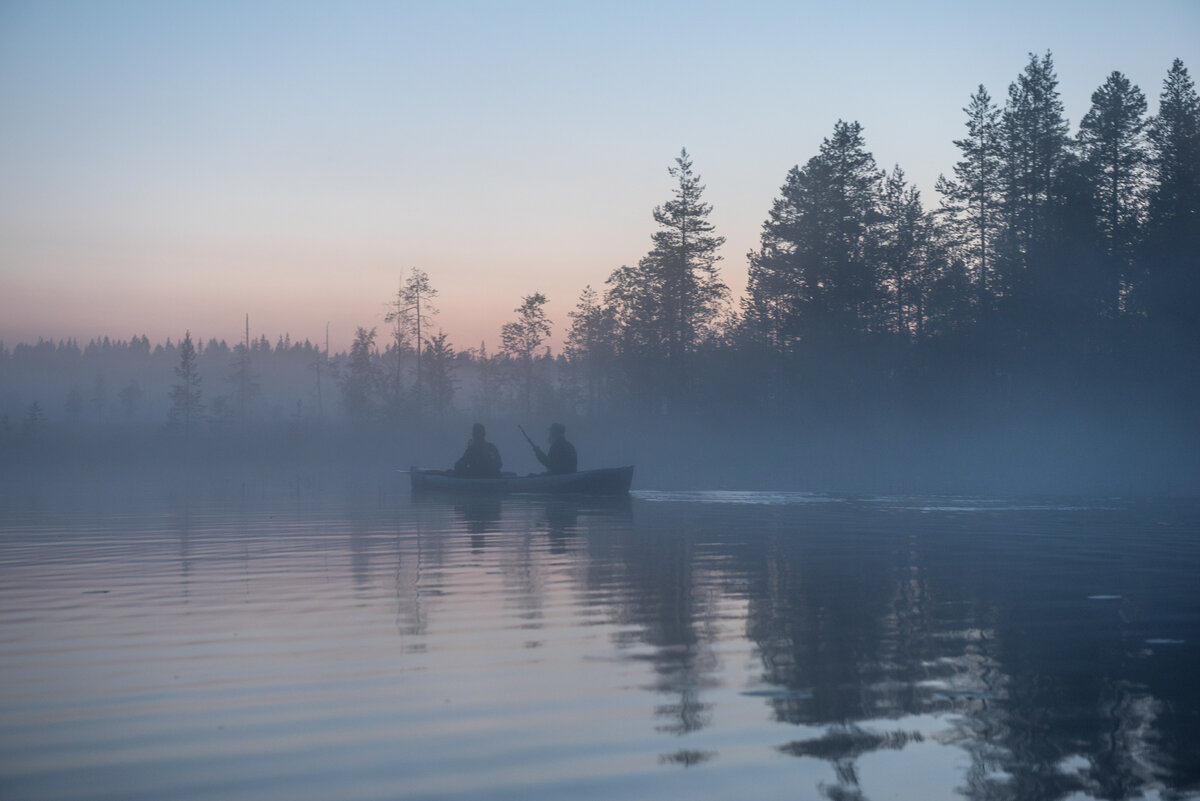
{"x":166,"y":167}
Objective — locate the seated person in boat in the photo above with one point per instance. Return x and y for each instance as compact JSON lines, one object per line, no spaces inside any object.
{"x":481,"y":459}
{"x":561,"y":458}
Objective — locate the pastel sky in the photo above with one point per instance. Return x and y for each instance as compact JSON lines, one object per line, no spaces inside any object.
{"x":170,"y":165}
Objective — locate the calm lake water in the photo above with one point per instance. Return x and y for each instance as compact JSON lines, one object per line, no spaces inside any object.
{"x":343,"y":640}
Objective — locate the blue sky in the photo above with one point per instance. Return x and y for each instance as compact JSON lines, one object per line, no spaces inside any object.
{"x":172,"y":165}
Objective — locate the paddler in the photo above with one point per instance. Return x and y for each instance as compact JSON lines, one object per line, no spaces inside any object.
{"x":562,"y":457}
{"x":481,"y":459}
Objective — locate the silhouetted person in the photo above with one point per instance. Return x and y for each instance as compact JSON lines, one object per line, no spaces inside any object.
{"x":562,"y":458}
{"x":481,"y":459}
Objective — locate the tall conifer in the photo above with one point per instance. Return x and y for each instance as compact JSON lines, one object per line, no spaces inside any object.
{"x":1173,"y":254}
{"x":1113,"y":151}
{"x":1034,"y":134}
{"x":682,"y":265}
{"x":901,"y":240}
{"x":813,"y":275}
{"x":972,"y":200}
{"x":186,"y":400}
{"x":668,"y":304}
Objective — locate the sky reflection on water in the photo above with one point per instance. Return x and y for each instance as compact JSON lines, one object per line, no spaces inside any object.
{"x":353,"y":642}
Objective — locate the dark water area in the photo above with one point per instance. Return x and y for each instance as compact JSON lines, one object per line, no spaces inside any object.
{"x":270,"y":637}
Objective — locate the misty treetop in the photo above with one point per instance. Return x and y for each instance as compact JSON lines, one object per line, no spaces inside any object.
{"x":186,"y":399}
{"x":1050,"y":264}
{"x":410,"y":313}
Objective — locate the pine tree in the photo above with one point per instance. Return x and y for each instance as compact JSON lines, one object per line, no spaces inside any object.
{"x":972,"y":201}
{"x":521,"y":339}
{"x":668,"y":303}
{"x":361,"y":380}
{"x":410,"y":314}
{"x":778,"y":286}
{"x":1173,"y":252}
{"x":813,"y":275}
{"x":852,"y":194}
{"x":683,"y":260}
{"x":1034,"y":134}
{"x":1112,"y":147}
{"x":901,"y":238}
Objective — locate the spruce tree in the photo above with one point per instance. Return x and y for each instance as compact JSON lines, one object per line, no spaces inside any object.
{"x":186,"y":399}
{"x":590,"y":342}
{"x":1174,"y":136}
{"x":439,"y":372}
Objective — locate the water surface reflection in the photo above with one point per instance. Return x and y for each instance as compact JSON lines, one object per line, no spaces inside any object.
{"x":346,"y":640}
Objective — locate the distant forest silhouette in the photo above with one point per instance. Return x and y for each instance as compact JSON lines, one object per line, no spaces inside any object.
{"x":1054,"y":290}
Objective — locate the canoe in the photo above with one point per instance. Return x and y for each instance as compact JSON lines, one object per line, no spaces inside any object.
{"x":604,"y":481}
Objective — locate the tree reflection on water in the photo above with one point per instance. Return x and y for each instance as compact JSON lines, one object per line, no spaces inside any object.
{"x":849,"y":648}
{"x":861,"y":617}
{"x":1018,"y":638}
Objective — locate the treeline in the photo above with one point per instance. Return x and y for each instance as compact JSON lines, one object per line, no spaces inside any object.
{"x":199,"y":386}
{"x":128,"y":382}
{"x":1052,"y":263}
{"x":1057,"y":274}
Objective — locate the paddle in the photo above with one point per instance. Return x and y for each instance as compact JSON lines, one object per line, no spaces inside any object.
{"x":536,"y":450}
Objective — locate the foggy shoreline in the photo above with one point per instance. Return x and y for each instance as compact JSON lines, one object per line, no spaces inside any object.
{"x":1147,"y":457}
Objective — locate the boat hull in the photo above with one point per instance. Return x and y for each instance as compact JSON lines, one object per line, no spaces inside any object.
{"x":604,"y":481}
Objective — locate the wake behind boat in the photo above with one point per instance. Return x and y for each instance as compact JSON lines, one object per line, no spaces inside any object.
{"x":602,"y":481}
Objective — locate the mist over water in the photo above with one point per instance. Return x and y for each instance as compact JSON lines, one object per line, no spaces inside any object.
{"x":316,"y":635}
{"x":1088,"y":455}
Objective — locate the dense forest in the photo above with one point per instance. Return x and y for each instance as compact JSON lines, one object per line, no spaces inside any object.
{"x":1037,"y":327}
